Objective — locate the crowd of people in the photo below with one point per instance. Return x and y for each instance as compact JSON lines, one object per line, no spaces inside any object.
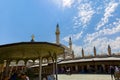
{"x":21,"y":75}
{"x":17,"y":76}
{"x":115,"y":72}
{"x":14,"y":74}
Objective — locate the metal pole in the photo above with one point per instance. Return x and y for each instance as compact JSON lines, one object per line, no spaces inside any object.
{"x":3,"y":65}
{"x":40,"y":68}
{"x":7,"y":68}
{"x":25,"y":67}
{"x":53,"y":65}
{"x":56,"y":67}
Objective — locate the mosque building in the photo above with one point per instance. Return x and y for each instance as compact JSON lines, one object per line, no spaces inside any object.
{"x":95,"y":63}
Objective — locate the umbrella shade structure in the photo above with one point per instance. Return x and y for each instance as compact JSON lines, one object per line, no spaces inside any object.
{"x":30,"y":51}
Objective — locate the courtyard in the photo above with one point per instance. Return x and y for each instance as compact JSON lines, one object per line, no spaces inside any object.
{"x":84,"y":77}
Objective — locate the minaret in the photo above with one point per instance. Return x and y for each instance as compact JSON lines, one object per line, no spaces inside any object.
{"x":32,"y":40}
{"x":109,"y":50}
{"x":94,"y":51}
{"x":82,"y":53}
{"x":73,"y":56}
{"x":57,"y":34}
{"x":70,"y":44}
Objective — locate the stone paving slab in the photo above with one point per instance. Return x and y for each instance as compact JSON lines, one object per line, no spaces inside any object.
{"x":84,"y":77}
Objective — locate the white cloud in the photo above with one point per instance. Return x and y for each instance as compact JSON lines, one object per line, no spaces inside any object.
{"x":73,"y":36}
{"x":77,"y":36}
{"x":77,"y":50}
{"x":115,"y":44}
{"x":101,"y":45}
{"x":64,"y":3}
{"x":84,"y":15}
{"x":67,"y":3}
{"x":101,"y":40}
{"x":110,"y":8}
{"x":85,"y":12}
{"x":104,"y":32}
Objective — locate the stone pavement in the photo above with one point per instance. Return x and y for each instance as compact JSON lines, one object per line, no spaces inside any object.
{"x":84,"y":77}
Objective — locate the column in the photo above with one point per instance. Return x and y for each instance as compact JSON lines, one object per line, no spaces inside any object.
{"x":16,"y":68}
{"x":82,"y":68}
{"x":2,"y":69}
{"x":76,"y":68}
{"x":53,"y":65}
{"x":7,"y":68}
{"x":96,"y":70}
{"x":56,"y":70}
{"x":40,"y":68}
{"x":25,"y":67}
{"x":88,"y":68}
{"x":103,"y":66}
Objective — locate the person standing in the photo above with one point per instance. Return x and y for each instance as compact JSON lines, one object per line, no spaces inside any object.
{"x":50,"y":77}
{"x":112,"y":71}
{"x":24,"y":77}
{"x":117,"y":73}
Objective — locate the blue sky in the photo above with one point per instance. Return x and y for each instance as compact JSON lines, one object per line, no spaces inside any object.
{"x":88,"y":22}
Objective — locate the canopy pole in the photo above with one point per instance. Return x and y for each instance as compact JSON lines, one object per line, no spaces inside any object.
{"x":25,"y":67}
{"x":11,"y":69}
{"x":56,"y":69}
{"x":53,"y":66}
{"x":7,"y":68}
{"x":40,"y":68}
{"x":3,"y":65}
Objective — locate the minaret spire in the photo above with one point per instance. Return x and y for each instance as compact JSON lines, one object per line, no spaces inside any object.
{"x":109,"y":50}
{"x":94,"y":51}
{"x":70,"y":43}
{"x":32,"y":38}
{"x":82,"y":53}
{"x":57,"y":34}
